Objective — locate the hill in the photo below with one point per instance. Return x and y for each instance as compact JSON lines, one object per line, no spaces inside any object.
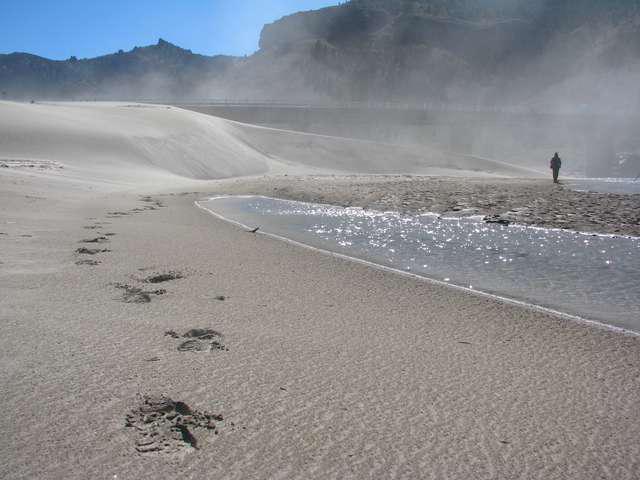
{"x":161,"y":70}
{"x":533,"y":54}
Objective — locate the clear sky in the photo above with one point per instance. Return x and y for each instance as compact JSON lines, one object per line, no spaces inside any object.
{"x":87,"y":28}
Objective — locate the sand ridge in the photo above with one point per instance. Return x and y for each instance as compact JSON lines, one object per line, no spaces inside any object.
{"x":161,"y":145}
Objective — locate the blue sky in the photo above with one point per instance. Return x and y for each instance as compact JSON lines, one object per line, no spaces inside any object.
{"x":87,"y":28}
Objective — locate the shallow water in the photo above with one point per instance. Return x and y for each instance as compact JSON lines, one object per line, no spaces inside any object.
{"x":595,"y":277}
{"x":605,"y":185}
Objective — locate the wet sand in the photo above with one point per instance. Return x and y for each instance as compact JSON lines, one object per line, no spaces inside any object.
{"x":525,"y":201}
{"x":596,"y":278}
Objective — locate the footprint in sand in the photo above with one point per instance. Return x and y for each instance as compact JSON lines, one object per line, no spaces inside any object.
{"x":164,"y":426}
{"x":199,"y":340}
{"x":163,"y":277}
{"x":92,"y":263}
{"x":91,"y":251}
{"x":117,"y":214}
{"x":133,"y":294}
{"x":155,"y":204}
{"x":95,"y":240}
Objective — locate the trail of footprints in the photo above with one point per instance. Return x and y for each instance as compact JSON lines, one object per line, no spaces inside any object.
{"x":81,"y":252}
{"x":148,"y":204}
{"x":163,"y":426}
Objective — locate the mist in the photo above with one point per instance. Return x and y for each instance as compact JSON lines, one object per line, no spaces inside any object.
{"x":512,"y":80}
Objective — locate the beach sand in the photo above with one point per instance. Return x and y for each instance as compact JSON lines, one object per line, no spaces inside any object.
{"x":319,"y":367}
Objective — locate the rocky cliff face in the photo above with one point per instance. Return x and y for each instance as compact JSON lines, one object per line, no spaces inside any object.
{"x":487,"y":52}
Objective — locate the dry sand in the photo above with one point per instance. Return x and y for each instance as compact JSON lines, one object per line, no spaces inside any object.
{"x":146,"y":144}
{"x":321,"y":368}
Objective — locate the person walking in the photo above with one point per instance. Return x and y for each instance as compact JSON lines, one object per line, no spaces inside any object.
{"x":556,"y":163}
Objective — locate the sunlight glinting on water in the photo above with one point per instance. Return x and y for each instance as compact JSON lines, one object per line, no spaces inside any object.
{"x":606,"y":185}
{"x":594,"y":276}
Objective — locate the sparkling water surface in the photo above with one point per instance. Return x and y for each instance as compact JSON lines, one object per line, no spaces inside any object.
{"x":605,"y":185}
{"x":595,"y":277}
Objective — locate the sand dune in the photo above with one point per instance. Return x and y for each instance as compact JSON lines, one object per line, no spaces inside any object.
{"x":148,"y":143}
{"x":360,"y":156}
{"x":127,"y":141}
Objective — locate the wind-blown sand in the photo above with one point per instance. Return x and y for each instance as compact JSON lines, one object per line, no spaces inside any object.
{"x":134,"y":144}
{"x":329,"y":369}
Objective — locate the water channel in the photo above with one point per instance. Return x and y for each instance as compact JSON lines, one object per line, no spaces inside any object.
{"x":596,"y":277}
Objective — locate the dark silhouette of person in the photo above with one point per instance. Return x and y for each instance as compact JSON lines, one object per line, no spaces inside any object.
{"x":555,"y":165}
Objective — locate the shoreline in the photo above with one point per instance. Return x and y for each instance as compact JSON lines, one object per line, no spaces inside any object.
{"x":471,"y":291}
{"x":331,"y":368}
{"x":529,"y":202}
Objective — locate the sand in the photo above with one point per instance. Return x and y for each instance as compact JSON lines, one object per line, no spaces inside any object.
{"x":318,"y":367}
{"x":153,"y":144}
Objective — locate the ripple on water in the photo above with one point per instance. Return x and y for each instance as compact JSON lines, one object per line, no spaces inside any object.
{"x":594,"y":276}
